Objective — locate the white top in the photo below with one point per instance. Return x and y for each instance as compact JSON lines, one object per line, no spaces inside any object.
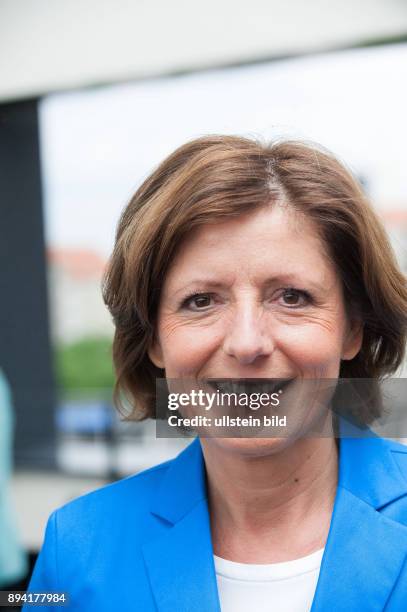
{"x":276,"y":587}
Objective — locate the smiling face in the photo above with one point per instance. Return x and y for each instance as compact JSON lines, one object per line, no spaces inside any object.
{"x":253,"y":297}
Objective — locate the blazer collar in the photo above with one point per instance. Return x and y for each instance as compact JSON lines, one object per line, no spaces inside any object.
{"x":363,"y":556}
{"x":183,"y":486}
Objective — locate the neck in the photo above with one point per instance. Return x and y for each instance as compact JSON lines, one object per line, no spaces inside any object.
{"x":270,"y":507}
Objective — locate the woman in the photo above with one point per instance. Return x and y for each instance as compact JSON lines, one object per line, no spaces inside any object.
{"x":237,"y":260}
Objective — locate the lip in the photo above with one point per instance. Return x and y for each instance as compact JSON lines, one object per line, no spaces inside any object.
{"x":248,"y":385}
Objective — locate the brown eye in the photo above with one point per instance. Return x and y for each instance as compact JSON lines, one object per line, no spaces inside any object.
{"x":199,"y":301}
{"x":291,"y":297}
{"x":294,"y":298}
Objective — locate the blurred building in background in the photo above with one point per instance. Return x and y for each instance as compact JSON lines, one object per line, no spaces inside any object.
{"x":74,"y":282}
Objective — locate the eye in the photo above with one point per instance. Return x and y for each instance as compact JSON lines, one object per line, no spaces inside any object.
{"x":198,"y":301}
{"x":295,"y":298}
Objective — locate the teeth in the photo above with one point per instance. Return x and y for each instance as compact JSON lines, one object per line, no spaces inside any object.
{"x":246,"y":387}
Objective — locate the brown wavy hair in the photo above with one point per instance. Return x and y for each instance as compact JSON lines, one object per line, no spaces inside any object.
{"x":221,"y":177}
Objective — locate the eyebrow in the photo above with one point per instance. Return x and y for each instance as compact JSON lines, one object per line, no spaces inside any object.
{"x":295,"y":280}
{"x":286,"y":279}
{"x":200,"y":282}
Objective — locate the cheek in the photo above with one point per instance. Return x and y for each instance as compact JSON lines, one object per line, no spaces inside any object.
{"x":186,"y":348}
{"x":314,"y":349}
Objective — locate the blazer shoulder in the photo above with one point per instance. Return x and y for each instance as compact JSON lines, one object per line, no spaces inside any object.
{"x":394,"y":446}
{"x":397,"y":508}
{"x":133,"y":493}
{"x":396,"y":449}
{"x":399,"y":453}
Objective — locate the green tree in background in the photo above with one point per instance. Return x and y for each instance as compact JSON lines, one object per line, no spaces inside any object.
{"x":85,"y":365}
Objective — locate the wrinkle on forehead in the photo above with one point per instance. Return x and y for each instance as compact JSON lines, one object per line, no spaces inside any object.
{"x":216,"y":253}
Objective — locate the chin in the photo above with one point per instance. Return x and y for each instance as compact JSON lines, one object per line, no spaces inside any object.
{"x":251,"y":447}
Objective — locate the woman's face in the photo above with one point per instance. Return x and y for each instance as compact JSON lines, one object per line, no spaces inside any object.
{"x":253,"y":297}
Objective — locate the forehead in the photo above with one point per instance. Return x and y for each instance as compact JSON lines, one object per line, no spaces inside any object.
{"x":273,"y":239}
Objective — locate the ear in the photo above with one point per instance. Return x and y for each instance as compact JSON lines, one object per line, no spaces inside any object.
{"x":155,"y":353}
{"x":353,"y":340}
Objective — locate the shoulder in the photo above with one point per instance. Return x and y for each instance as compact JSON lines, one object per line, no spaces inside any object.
{"x":396,"y":508}
{"x":375,"y":470}
{"x":127,"y":500}
{"x":396,"y":447}
{"x":95,"y":539}
{"x":382,"y":454}
{"x":398,"y":452}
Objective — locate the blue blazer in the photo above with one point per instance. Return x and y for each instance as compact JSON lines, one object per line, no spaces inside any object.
{"x":144,"y":543}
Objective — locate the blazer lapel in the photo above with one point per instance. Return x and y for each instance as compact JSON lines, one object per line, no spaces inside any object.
{"x":180,"y":562}
{"x":363,"y":558}
{"x":365,"y":550}
{"x":180,"y":566}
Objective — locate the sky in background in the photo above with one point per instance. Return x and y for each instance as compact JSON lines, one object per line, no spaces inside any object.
{"x":98,"y":145}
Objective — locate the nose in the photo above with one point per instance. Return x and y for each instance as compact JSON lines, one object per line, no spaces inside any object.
{"x":248,"y":338}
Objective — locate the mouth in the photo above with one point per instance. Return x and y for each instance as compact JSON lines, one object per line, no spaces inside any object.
{"x":249,"y":385}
